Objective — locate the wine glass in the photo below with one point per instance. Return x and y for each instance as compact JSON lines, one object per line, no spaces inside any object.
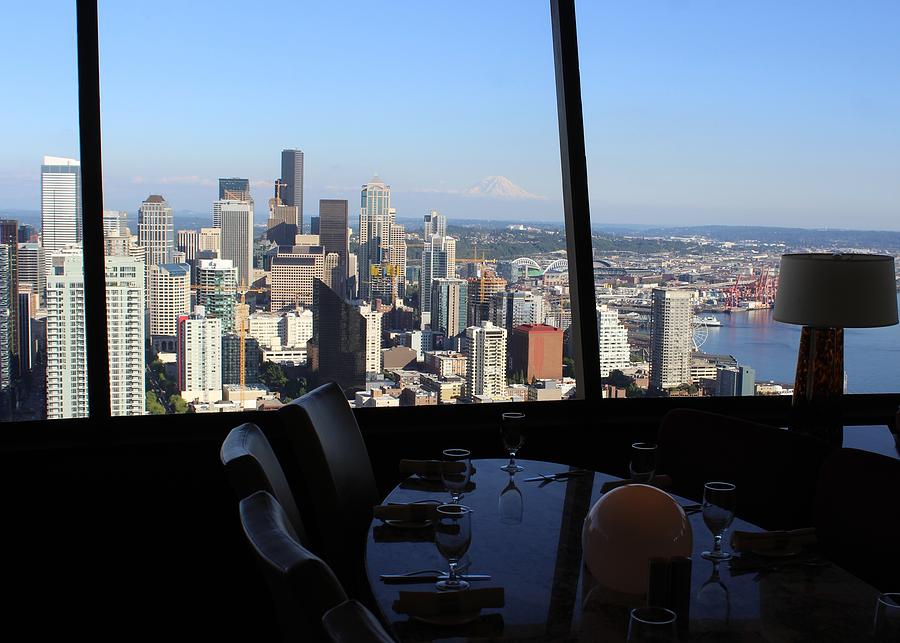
{"x":643,"y":462}
{"x":510,"y":505}
{"x":513,"y":434}
{"x":456,"y":469}
{"x":453,"y":535}
{"x":651,"y":624}
{"x":718,"y":511}
{"x":887,"y":617}
{"x":713,"y":603}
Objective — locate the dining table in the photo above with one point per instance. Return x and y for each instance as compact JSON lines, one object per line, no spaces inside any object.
{"x":527,"y":538}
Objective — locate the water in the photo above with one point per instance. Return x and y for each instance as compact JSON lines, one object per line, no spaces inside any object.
{"x":871,"y":355}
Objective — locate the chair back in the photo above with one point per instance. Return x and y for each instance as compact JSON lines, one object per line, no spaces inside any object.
{"x":351,"y":622}
{"x":303,"y":587}
{"x":775,"y":470}
{"x":337,"y":476}
{"x":857,"y":515}
{"x":251,"y":466}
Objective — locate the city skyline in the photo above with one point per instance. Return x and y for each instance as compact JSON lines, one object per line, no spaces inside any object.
{"x":694,"y":114}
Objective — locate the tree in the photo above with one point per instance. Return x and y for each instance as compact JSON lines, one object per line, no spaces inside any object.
{"x":569,"y":366}
{"x":153,"y":405}
{"x":618,"y":379}
{"x":178,"y":403}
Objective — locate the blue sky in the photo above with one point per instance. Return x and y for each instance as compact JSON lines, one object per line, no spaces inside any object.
{"x":695,"y":112}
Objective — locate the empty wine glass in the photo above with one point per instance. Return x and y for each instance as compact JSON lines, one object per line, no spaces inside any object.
{"x":712,"y":604}
{"x":456,"y":469}
{"x":651,"y":624}
{"x":643,"y":462}
{"x":510,"y":506}
{"x":453,"y":535}
{"x":719,"y":500}
{"x":887,"y":617}
{"x":513,"y":434}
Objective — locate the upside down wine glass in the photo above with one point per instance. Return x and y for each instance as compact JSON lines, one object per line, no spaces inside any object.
{"x":513,"y":434}
{"x":453,"y":535}
{"x":718,"y":511}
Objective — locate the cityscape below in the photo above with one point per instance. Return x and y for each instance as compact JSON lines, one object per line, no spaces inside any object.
{"x":233,"y":316}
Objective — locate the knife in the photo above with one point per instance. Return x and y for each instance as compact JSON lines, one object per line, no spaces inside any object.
{"x":558,"y":476}
{"x":429,"y":578}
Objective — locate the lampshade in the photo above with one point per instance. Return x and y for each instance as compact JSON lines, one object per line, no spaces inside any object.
{"x":627,"y":527}
{"x":836,"y":290}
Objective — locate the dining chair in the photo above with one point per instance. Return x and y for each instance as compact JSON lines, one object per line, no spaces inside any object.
{"x":351,"y":622}
{"x":775,"y":470}
{"x":338,"y":481}
{"x":857,"y":515}
{"x":303,"y":587}
{"x":251,"y":465}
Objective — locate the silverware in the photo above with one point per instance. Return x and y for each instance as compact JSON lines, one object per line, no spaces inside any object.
{"x":428,"y":576}
{"x":557,"y":476}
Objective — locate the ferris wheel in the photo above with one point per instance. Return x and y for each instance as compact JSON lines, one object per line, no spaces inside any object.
{"x":699,"y":333}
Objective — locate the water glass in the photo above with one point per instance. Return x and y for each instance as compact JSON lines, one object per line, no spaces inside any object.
{"x":510,"y":506}
{"x":643,"y":462}
{"x":453,"y":535}
{"x":719,"y":499}
{"x":512,"y":430}
{"x":456,"y":469}
{"x":887,"y":617}
{"x":652,"y":624}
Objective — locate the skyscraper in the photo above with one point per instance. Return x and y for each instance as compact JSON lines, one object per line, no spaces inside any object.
{"x":234,"y":189}
{"x":237,"y":239}
{"x":485,"y":349}
{"x":231,"y":359}
{"x":9,"y":236}
{"x":615,"y":353}
{"x":115,"y":223}
{"x":187,"y":241}
{"x":435,"y":224}
{"x":125,"y":330}
{"x":60,"y":203}
{"x":156,"y":230}
{"x":210,"y":240}
{"x":216,"y":290}
{"x":338,"y":347}
{"x":670,"y":338}
{"x":282,"y":227}
{"x":293,"y":273}
{"x":292,"y":181}
{"x":169,"y":297}
{"x":333,"y":234}
{"x":32,"y":268}
{"x":536,"y":351}
{"x":448,"y":307}
{"x":6,"y":325}
{"x":200,"y":357}
{"x":376,"y":216}
{"x":66,"y":376}
{"x":481,"y":291}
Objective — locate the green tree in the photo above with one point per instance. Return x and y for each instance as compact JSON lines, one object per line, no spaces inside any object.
{"x":618,"y":379}
{"x":178,"y":403}
{"x":568,"y":367}
{"x":153,"y":405}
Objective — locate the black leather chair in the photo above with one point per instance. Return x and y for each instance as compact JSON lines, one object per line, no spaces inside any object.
{"x":351,"y":622}
{"x":857,"y":516}
{"x":303,"y":587}
{"x":776,"y":471}
{"x":339,"y":485}
{"x":251,"y":465}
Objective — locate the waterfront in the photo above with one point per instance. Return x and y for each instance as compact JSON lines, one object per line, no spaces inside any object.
{"x":871,"y":355}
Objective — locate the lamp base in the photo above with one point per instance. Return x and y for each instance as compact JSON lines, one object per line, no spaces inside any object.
{"x":819,"y":384}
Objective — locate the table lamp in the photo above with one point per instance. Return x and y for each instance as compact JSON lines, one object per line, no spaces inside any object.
{"x":826,"y":293}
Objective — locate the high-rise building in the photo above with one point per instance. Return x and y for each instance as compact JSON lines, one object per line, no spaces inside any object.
{"x":292,"y":181}
{"x":156,"y":230}
{"x":485,"y":349}
{"x":28,"y":233}
{"x":536,"y":352}
{"x":26,"y":339}
{"x":293,"y":272}
{"x":125,"y":332}
{"x":216,"y":290}
{"x":612,"y":335}
{"x":333,"y":233}
{"x":438,"y":262}
{"x":60,"y":203}
{"x":187,"y":241}
{"x":237,"y":238}
{"x":115,"y":223}
{"x":9,"y":236}
{"x":448,"y":307}
{"x":282,"y":227}
{"x":670,"y":338}
{"x":735,"y":380}
{"x":66,"y":375}
{"x":481,"y":291}
{"x":397,"y":261}
{"x":210,"y":240}
{"x":169,"y":297}
{"x":32,"y":268}
{"x":200,"y":357}
{"x":6,"y":329}
{"x":231,"y":359}
{"x":373,"y":339}
{"x":435,"y":225}
{"x":234,"y":189}
{"x":338,"y":347}
{"x":376,"y":216}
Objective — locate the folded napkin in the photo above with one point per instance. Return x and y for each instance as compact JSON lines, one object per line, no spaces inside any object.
{"x":772,"y":540}
{"x":413,"y":512}
{"x":431,"y":468}
{"x":661,"y":481}
{"x":437,"y":603}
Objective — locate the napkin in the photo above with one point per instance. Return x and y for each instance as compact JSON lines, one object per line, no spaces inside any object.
{"x":413,"y":512}
{"x":772,"y":540}
{"x":661,"y":481}
{"x":437,"y":603}
{"x":431,"y":468}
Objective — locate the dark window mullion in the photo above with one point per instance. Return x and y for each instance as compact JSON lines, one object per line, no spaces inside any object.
{"x":92,"y":208}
